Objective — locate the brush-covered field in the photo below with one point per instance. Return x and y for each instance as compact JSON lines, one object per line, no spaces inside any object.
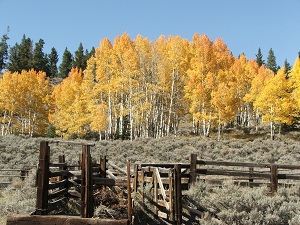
{"x":229,"y":204}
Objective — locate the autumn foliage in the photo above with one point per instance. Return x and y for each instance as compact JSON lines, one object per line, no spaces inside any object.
{"x":24,"y":103}
{"x":138,"y":88}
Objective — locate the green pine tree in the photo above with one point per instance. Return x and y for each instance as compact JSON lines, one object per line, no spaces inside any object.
{"x":40,"y":59}
{"x":53,"y":59}
{"x":3,"y":51}
{"x":79,"y":60}
{"x":259,"y":58}
{"x":271,"y":61}
{"x":21,"y":56}
{"x":66,"y":64}
{"x":287,"y":67}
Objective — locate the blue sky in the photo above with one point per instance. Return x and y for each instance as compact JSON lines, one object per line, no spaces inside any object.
{"x":244,"y":25}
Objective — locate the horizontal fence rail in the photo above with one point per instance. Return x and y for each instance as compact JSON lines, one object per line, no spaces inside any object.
{"x":7,"y":175}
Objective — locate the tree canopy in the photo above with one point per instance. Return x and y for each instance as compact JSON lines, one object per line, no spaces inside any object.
{"x":132,"y":88}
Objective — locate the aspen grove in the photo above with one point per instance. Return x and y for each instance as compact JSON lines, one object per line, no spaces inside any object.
{"x":138,"y":88}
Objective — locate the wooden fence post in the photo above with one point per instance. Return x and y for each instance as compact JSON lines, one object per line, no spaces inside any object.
{"x":178,"y":194}
{"x":135,"y":181}
{"x":171,"y":194}
{"x":43,"y":179}
{"x":23,"y":174}
{"x":87,"y":206}
{"x":103,"y":166}
{"x":129,"y":208}
{"x":155,"y":193}
{"x":143,"y":182}
{"x":193,"y":168}
{"x":62,"y":159}
{"x":274,"y":178}
{"x":251,"y":170}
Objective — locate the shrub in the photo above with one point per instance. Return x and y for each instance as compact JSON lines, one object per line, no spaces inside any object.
{"x":244,"y":205}
{"x":20,"y":197}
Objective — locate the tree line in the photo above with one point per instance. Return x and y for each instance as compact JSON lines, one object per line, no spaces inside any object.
{"x":137,"y":88}
{"x":28,"y":55}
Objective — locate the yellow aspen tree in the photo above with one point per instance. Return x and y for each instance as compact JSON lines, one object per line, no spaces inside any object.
{"x":25,"y":102}
{"x":295,"y":79}
{"x":208,"y":63}
{"x":244,"y":71}
{"x":178,"y":58}
{"x":68,"y":108}
{"x":92,"y":95}
{"x":257,"y":85}
{"x":225,"y":98}
{"x":159,"y":69}
{"x":9,"y":95}
{"x":197,"y":89}
{"x":143,"y":104}
{"x":275,"y":102}
{"x":251,"y":71}
{"x":127,"y":76}
{"x":105,"y":62}
{"x":36,"y":97}
{"x":223,"y":86}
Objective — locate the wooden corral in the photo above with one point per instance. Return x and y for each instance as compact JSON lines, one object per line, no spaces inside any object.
{"x":57,"y":183}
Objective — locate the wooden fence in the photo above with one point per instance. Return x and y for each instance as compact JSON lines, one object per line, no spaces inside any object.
{"x":253,"y":174}
{"x":7,"y":175}
{"x":169,"y":181}
{"x":57,"y":183}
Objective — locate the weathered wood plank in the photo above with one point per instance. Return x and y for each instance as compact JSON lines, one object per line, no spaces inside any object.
{"x":239,"y":164}
{"x":233,"y":173}
{"x":43,"y":179}
{"x":60,"y":220}
{"x":164,"y":165}
{"x":58,"y":173}
{"x":104,"y":181}
{"x":163,"y":193}
{"x":58,"y":184}
{"x":58,"y":193}
{"x":117,"y":168}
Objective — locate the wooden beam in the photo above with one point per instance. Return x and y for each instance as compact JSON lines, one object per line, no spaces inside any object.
{"x":104,"y":181}
{"x":43,"y":179}
{"x":274,"y":178}
{"x":178,"y":192}
{"x":60,"y":220}
{"x":163,"y":193}
{"x":193,"y":168}
{"x":129,"y":207}
{"x":103,"y":166}
{"x":87,"y":208}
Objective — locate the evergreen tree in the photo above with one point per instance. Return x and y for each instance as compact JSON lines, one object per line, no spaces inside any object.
{"x":259,"y":58}
{"x":3,"y":51}
{"x":40,"y":59}
{"x":53,"y":59}
{"x":90,"y":54}
{"x":79,"y":60}
{"x":20,"y":56}
{"x":287,"y":67}
{"x":66,"y":64}
{"x":271,"y":61}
